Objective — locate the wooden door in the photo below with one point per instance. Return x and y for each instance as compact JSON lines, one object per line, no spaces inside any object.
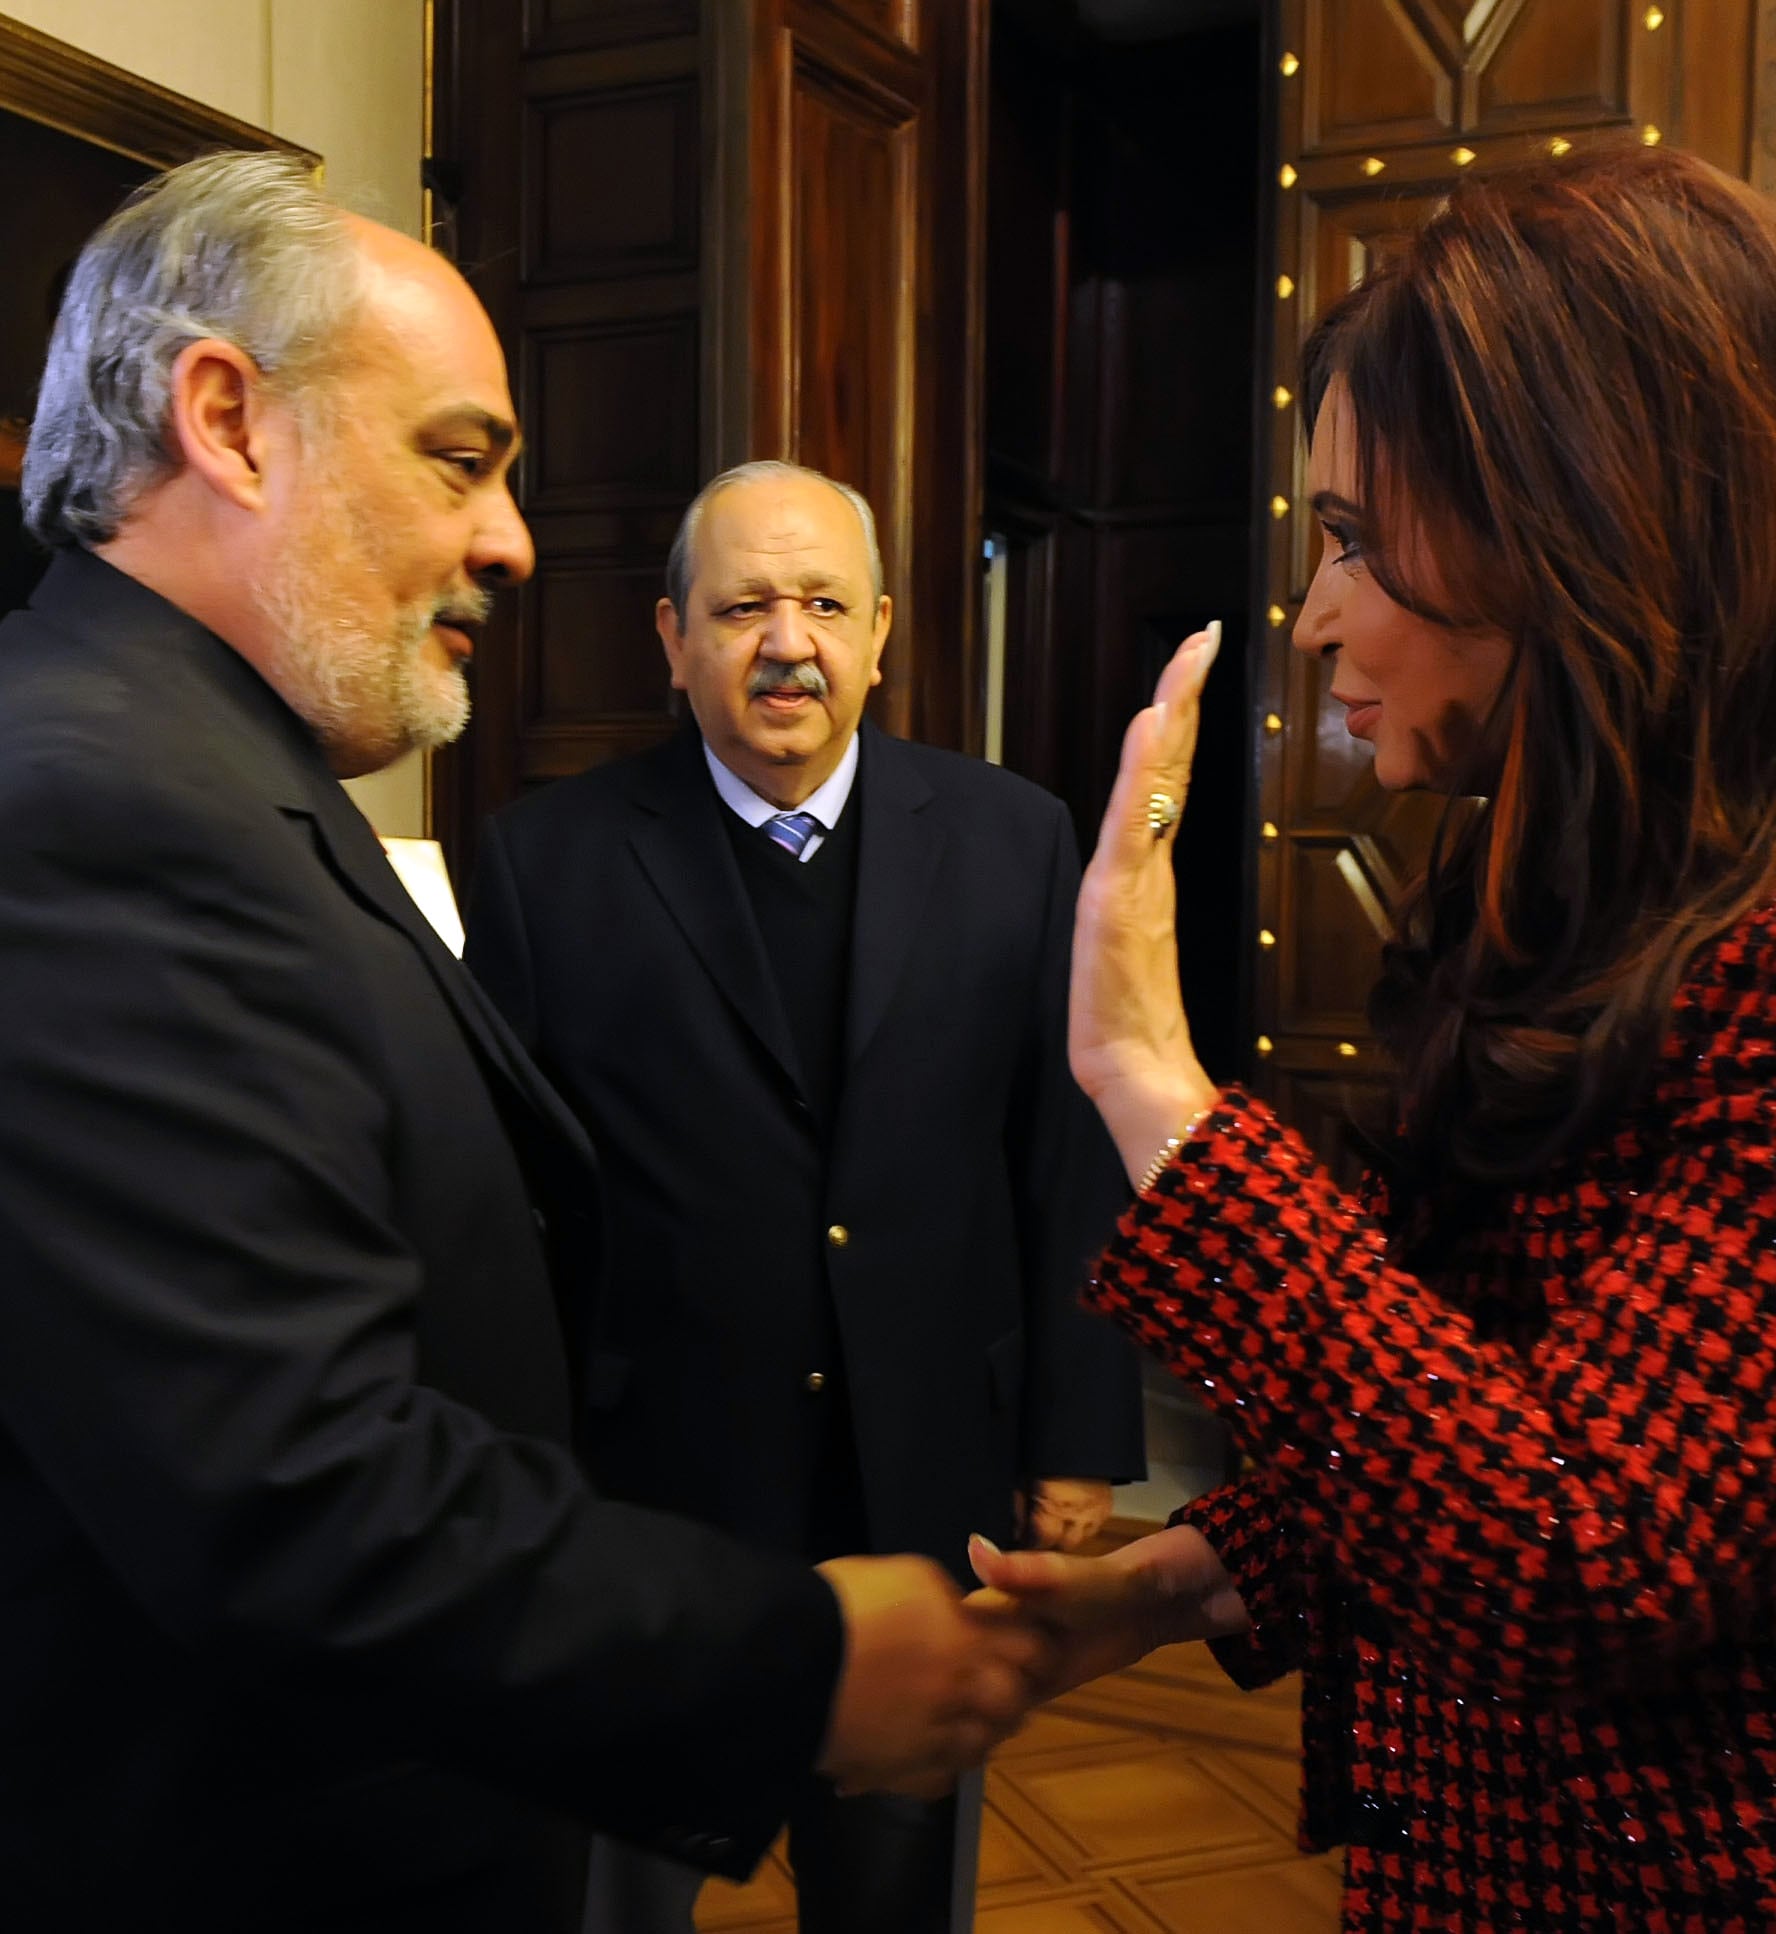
{"x":865,"y":300}
{"x":1380,"y":105}
{"x":709,"y":230}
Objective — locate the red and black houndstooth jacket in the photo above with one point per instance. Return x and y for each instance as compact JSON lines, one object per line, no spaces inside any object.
{"x":1517,"y":1525}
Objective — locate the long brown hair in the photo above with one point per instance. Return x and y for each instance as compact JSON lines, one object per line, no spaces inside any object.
{"x":1567,"y":383}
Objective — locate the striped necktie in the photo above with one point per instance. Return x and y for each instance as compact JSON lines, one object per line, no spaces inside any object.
{"x":792,"y":831}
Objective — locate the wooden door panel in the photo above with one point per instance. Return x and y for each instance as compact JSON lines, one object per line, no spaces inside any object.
{"x":1550,"y":66}
{"x":639,"y":145}
{"x":617,"y":667}
{"x":1399,"y":91}
{"x":562,"y":26}
{"x":591,"y":448}
{"x":1335,"y":1104}
{"x":866,"y":250}
{"x":892,"y":20}
{"x":845,"y":371}
{"x":575,"y":133}
{"x":1339,"y":922}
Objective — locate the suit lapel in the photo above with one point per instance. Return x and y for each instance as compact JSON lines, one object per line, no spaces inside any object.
{"x":358,"y":857}
{"x":680,"y":840}
{"x":898,"y":851}
{"x":251,"y":731}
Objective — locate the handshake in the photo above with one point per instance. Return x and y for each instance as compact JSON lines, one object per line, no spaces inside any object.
{"x":932,"y":1681}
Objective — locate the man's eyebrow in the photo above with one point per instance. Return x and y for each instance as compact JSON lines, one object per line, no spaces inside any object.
{"x":726,"y":591}
{"x":500,"y":433}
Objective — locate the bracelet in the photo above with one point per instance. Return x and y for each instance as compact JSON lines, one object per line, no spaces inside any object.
{"x":1172,"y":1144}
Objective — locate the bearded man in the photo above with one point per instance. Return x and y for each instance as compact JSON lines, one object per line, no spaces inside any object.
{"x":308,"y":1617}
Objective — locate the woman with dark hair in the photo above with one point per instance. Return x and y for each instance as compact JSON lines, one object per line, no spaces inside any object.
{"x":1511,"y":1413}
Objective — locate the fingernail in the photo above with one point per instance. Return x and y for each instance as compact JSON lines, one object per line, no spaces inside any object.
{"x":1213,"y":628}
{"x":986,"y":1544}
{"x":1160,"y":709}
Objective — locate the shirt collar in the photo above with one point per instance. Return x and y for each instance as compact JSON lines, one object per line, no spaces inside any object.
{"x":826,"y":802}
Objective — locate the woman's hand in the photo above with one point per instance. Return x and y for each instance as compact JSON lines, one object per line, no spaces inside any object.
{"x":1105,"y":1613}
{"x":1128,"y":1041}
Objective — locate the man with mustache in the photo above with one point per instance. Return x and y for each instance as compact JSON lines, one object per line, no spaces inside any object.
{"x":309,"y":1621}
{"x":806,"y":986}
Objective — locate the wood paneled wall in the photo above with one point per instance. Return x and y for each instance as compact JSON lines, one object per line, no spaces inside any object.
{"x":710,"y":230}
{"x":1380,"y":105}
{"x":1122,"y":281}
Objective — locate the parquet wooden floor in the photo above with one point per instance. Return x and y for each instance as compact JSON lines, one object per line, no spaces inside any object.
{"x":1158,"y":1801}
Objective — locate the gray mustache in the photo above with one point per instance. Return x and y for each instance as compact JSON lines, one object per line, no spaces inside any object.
{"x":773,"y":677}
{"x":468,"y":612}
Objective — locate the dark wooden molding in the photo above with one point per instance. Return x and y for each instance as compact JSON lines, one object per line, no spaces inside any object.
{"x":46,"y":80}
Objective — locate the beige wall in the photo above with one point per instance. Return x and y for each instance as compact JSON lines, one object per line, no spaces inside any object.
{"x":343,"y":77}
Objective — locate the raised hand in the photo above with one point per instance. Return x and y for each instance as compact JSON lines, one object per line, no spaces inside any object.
{"x":1128,"y":1040}
{"x":1105,"y":1613}
{"x":931,"y":1682}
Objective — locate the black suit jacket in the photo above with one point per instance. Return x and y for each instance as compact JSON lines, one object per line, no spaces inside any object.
{"x":307,"y":1616}
{"x":970,"y":1179}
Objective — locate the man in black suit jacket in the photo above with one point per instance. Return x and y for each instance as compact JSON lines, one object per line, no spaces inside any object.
{"x":806,"y":986}
{"x":308,"y":1618}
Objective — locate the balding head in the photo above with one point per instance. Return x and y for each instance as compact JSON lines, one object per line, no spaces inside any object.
{"x":681,"y":561}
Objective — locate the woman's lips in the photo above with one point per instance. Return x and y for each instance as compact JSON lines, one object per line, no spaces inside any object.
{"x":1360,"y":715}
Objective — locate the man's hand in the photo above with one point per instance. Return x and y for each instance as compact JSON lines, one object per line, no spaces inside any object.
{"x":1064,"y":1512}
{"x":1105,"y":1613}
{"x":930,"y":1683}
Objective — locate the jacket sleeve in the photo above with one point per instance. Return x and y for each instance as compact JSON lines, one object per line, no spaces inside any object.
{"x":1082,"y":1402}
{"x":209,"y":1322}
{"x":1563,"y":1514}
{"x":1257,"y":1539}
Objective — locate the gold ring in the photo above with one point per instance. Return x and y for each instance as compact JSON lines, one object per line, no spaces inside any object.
{"x":1162,"y":813}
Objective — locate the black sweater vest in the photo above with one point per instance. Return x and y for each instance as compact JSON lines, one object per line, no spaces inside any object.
{"x":803,"y":909}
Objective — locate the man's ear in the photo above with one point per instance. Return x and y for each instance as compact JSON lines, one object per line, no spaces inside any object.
{"x":216,"y":420}
{"x":884,"y":618}
{"x":672,"y":637}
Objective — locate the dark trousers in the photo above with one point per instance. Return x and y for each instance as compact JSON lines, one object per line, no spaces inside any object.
{"x":873,"y":1864}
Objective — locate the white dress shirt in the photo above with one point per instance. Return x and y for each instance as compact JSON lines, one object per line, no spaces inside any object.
{"x":825,"y":802}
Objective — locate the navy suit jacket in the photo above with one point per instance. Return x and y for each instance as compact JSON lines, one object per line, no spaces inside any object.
{"x":970,"y":1179}
{"x":308,"y":1617}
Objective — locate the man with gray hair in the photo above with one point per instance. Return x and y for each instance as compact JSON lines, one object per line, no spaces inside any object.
{"x":806,"y":986}
{"x":309,"y":1622}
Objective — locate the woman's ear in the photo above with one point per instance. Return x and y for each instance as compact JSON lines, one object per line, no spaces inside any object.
{"x":216,"y":419}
